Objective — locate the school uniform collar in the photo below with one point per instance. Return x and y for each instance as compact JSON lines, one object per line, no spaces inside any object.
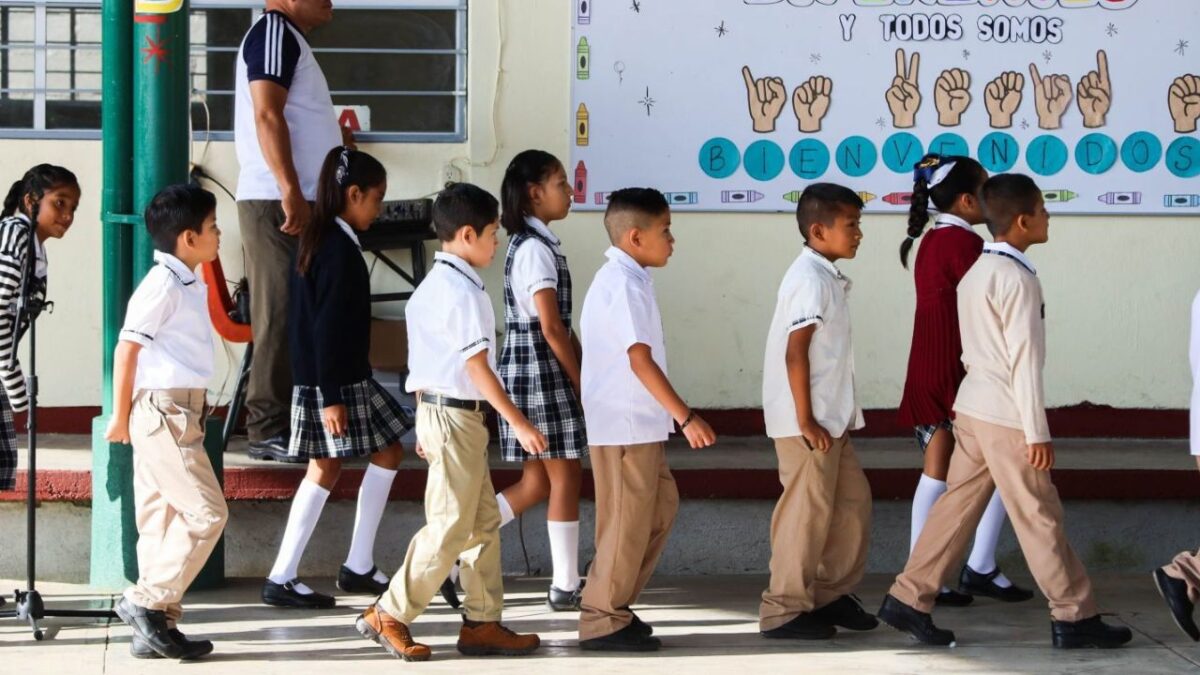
{"x":951,"y":220}
{"x":348,"y":230}
{"x":625,"y":260}
{"x":461,"y":266}
{"x":823,"y":263}
{"x":541,"y":229}
{"x":1007,"y":250}
{"x":176,"y":267}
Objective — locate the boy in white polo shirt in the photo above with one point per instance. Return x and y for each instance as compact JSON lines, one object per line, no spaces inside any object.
{"x":1002,"y":437}
{"x":162,"y":364}
{"x":452,"y":369}
{"x":821,"y":524}
{"x":628,"y":407}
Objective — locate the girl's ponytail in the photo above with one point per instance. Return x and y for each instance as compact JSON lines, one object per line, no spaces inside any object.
{"x":918,"y":210}
{"x":13,"y":201}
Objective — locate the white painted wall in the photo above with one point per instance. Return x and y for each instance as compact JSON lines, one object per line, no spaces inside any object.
{"x":1117,"y":290}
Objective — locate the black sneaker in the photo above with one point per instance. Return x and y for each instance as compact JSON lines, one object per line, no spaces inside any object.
{"x":803,"y":627}
{"x":286,"y":595}
{"x":449,"y":591}
{"x":151,"y":626}
{"x":914,"y":622}
{"x":274,"y":449}
{"x":644,"y":628}
{"x":846,"y":612}
{"x":350,"y":582}
{"x":951,"y":598}
{"x":192,"y":649}
{"x":1175,"y":592}
{"x":1091,"y":632}
{"x":564,"y":601}
{"x":975,"y":583}
{"x":628,"y":639}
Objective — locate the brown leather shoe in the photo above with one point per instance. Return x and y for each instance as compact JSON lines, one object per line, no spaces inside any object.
{"x":379,"y":626}
{"x":489,"y":638}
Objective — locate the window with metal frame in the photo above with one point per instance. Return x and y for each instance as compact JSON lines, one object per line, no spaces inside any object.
{"x":403,"y":61}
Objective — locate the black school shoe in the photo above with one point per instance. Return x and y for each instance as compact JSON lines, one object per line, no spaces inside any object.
{"x":192,"y":649}
{"x":846,"y":612}
{"x":645,"y":629}
{"x":803,"y":627}
{"x":952,"y":598}
{"x":628,"y":639}
{"x":151,"y":626}
{"x":286,"y":595}
{"x":914,"y":622}
{"x":975,"y":583}
{"x":1088,"y":633}
{"x":1175,"y":592}
{"x":564,"y":601}
{"x":449,"y":593}
{"x":350,"y":582}
{"x":274,"y":449}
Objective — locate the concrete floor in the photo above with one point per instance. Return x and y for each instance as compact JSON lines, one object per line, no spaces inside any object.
{"x":708,"y":625}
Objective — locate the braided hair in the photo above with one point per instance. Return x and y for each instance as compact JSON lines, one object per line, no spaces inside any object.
{"x":939,"y":179}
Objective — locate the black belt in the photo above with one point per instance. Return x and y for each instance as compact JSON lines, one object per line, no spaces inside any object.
{"x":447,"y":402}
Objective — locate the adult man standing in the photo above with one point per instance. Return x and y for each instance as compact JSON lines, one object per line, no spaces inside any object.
{"x":284,"y":125}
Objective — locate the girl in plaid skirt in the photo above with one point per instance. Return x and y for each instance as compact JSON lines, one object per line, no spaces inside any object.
{"x":539,"y":364}
{"x":338,"y":410}
{"x":935,"y":369}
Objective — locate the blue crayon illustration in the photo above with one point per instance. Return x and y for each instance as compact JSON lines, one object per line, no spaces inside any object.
{"x":682,"y":197}
{"x":1120,"y":198}
{"x":740,"y":196}
{"x":1177,"y":201}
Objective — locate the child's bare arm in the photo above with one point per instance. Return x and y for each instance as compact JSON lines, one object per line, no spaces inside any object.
{"x":125,"y":360}
{"x":800,"y":382}
{"x":697,"y":431}
{"x":485,"y":380}
{"x":557,"y":335}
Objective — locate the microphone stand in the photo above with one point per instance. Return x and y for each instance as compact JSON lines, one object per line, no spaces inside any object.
{"x":29,"y":606}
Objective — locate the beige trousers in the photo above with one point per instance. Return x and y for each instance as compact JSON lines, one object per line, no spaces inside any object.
{"x":179,"y":506}
{"x":636,"y":503}
{"x":988,"y":457}
{"x":819,"y":530}
{"x":1186,"y":567}
{"x":462,"y":521}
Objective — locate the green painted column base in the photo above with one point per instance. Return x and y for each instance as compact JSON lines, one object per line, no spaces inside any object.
{"x":114,"y":529}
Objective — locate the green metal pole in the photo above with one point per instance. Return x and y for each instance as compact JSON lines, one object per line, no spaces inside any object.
{"x":114,"y":532}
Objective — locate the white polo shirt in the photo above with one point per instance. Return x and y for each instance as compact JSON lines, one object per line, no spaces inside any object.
{"x":275,"y":50}
{"x":450,"y":319}
{"x":619,"y":311}
{"x":533,"y":268}
{"x":813,"y":292}
{"x":168,"y":316}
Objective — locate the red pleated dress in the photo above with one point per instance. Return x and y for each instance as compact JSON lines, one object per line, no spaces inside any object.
{"x":935,"y":360}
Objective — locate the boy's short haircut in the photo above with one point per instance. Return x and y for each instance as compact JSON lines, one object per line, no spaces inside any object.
{"x":822,"y":202}
{"x":175,"y":210}
{"x":461,"y":204}
{"x":625,"y":205}
{"x":1006,"y":196}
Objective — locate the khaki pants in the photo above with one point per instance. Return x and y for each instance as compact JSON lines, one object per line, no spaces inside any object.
{"x":462,"y":521}
{"x":178,"y":503}
{"x":819,"y":531}
{"x":636,"y":503}
{"x":990,"y":457}
{"x":1186,"y":566}
{"x":269,"y":255}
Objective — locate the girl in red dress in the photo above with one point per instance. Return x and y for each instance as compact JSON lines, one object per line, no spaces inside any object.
{"x":951,"y":184}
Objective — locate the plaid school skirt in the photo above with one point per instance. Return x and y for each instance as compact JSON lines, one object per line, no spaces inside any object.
{"x":8,"y":446}
{"x":537,"y":385}
{"x":925,"y":432}
{"x":374,"y":421}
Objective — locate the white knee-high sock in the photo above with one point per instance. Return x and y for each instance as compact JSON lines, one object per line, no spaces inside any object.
{"x":302,"y":520}
{"x":506,"y":512}
{"x":564,"y":553}
{"x":928,"y":491}
{"x":372,"y":500}
{"x":983,"y":554}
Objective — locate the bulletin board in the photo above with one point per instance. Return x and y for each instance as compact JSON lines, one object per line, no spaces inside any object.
{"x":737,"y":105}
